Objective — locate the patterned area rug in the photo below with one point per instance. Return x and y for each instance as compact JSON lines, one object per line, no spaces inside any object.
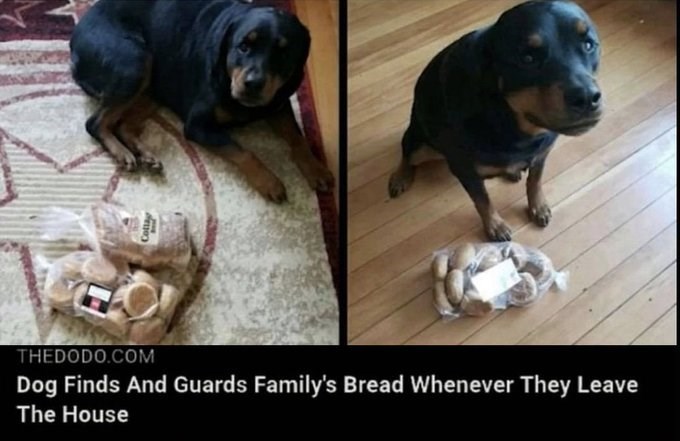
{"x":262,"y":273}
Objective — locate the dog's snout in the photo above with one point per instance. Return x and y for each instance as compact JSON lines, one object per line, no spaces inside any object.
{"x":254,"y":82}
{"x":583,"y":99}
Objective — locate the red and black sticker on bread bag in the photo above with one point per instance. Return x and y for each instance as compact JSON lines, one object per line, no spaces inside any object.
{"x":97,"y":300}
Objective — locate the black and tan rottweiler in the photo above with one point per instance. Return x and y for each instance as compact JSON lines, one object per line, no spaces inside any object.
{"x":493,"y":103}
{"x":217,"y":64}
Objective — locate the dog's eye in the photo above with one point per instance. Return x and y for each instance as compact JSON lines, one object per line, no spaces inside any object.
{"x":243,"y":48}
{"x":527,"y":59}
{"x":589,"y":45}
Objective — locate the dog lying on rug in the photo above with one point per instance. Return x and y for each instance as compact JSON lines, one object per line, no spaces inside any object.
{"x":217,"y":65}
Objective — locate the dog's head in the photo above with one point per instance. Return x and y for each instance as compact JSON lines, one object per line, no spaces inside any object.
{"x":264,"y":49}
{"x":545,"y":55}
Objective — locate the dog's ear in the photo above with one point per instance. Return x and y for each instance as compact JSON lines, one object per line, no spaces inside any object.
{"x":219,"y":42}
{"x":483,"y":62}
{"x":304,"y":39}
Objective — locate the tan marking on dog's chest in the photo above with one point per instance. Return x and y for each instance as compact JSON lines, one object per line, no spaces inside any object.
{"x":223,"y":116}
{"x":492,"y":171}
{"x":425,"y":154}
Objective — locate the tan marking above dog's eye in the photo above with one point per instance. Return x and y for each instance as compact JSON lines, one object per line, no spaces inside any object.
{"x":581,"y":27}
{"x":535,"y":40}
{"x":252,"y":36}
{"x":283,"y":42}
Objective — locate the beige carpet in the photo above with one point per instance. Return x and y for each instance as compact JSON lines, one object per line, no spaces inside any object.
{"x":261,"y":275}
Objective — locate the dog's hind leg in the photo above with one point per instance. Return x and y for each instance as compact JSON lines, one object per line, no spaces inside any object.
{"x":115,"y":70}
{"x":415,"y":151}
{"x":129,"y":131}
{"x":101,"y":126}
{"x":402,"y":178}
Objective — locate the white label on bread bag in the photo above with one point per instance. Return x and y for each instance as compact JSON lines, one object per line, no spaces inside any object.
{"x":496,"y":280}
{"x":144,"y":228}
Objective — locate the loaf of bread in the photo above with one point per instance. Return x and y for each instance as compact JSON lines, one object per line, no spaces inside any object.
{"x":145,"y":238}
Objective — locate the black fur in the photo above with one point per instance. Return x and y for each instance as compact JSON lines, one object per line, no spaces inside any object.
{"x":188,"y":44}
{"x":460,"y":107}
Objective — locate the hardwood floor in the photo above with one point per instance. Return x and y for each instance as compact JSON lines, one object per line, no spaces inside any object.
{"x":613,"y":191}
{"x":321,"y":17}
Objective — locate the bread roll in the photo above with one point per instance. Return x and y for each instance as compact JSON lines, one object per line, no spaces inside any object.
{"x":490,"y":256}
{"x":440,"y":266}
{"x":79,"y":294}
{"x":116,"y":323}
{"x":147,"y":332}
{"x":525,"y":292}
{"x":118,"y":297}
{"x":140,"y":299}
{"x":100,"y":270}
{"x":71,"y":268}
{"x":455,"y":285}
{"x":60,"y":297}
{"x":440,"y":301}
{"x":517,"y":253}
{"x":473,"y":304}
{"x":464,"y":256}
{"x":542,"y":270}
{"x":142,"y":276}
{"x":170,"y":297}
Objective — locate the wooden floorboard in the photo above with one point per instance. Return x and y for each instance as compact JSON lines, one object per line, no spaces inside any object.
{"x":613,"y":191}
{"x":321,"y":17}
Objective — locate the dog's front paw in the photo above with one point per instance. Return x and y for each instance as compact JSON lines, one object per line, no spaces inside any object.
{"x":497,"y":230}
{"x":540,"y":214}
{"x":151,"y":164}
{"x":128,"y":162}
{"x":319,"y":177}
{"x":271,"y":188}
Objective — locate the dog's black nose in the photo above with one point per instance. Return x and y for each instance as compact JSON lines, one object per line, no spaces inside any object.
{"x":583,"y":99}
{"x":253,"y":82}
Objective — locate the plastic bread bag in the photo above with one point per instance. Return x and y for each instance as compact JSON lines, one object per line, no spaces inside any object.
{"x":475,"y":279}
{"x":146,"y":238}
{"x":129,"y":304}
